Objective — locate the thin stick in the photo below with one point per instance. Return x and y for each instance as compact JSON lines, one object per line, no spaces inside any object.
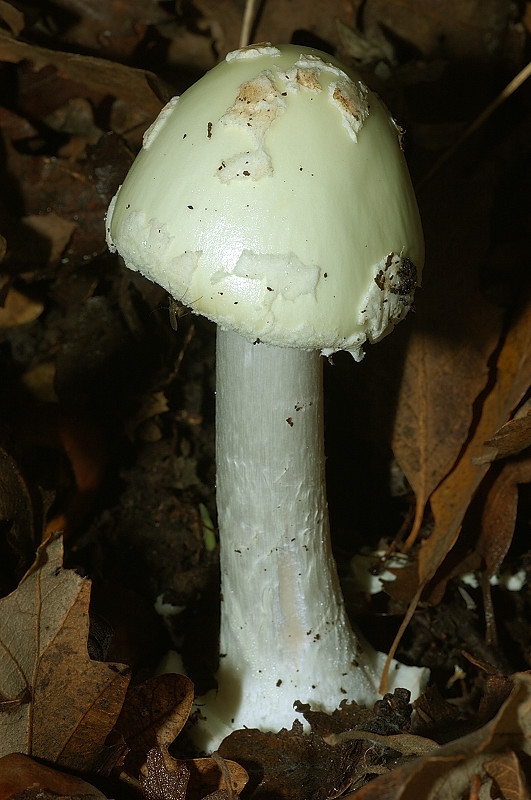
{"x":405,"y":622}
{"x":247,"y":23}
{"x":511,"y":87}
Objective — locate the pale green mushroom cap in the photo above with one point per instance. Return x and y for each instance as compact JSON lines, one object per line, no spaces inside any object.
{"x":273,"y":198}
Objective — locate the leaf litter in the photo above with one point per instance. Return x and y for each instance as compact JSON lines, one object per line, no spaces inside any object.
{"x":445,"y":399}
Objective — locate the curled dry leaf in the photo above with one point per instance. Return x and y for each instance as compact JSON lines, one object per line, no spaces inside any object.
{"x":206,"y":776}
{"x":62,"y":705}
{"x":153,"y":715}
{"x":167,"y":778}
{"x":509,"y":440}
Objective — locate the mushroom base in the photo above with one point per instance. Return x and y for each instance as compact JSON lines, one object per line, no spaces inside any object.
{"x":285,"y":635}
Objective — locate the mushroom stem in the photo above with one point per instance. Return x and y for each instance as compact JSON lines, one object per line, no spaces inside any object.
{"x":285,"y":635}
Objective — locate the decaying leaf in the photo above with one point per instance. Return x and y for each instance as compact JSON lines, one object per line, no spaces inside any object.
{"x":164,"y":780}
{"x":153,"y":715}
{"x":63,"y":705}
{"x":291,"y":765}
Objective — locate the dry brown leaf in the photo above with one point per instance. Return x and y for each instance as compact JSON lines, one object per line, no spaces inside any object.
{"x":497,"y":528}
{"x":165,"y":779}
{"x":134,"y":86}
{"x":19,"y":309}
{"x":19,"y":773}
{"x":448,"y":773}
{"x":507,"y":773}
{"x":13,"y":18}
{"x":206,"y":776}
{"x":153,"y":715}
{"x":291,"y":765}
{"x":452,"y":498}
{"x":62,"y":704}
{"x":452,"y":335}
{"x":499,"y":514}
{"x":509,"y":440}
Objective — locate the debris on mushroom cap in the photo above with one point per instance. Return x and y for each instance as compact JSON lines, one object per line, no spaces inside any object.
{"x":275,"y":192}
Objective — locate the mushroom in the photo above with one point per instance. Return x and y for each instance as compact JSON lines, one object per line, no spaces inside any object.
{"x":274,"y":199}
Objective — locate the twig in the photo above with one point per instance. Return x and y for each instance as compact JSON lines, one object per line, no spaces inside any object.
{"x":247,"y":23}
{"x":405,"y":622}
{"x":511,"y":87}
{"x":406,"y":743}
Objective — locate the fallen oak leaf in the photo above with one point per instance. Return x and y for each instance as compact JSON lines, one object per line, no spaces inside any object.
{"x":166,"y":778}
{"x":153,"y":715}
{"x":67,"y":703}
